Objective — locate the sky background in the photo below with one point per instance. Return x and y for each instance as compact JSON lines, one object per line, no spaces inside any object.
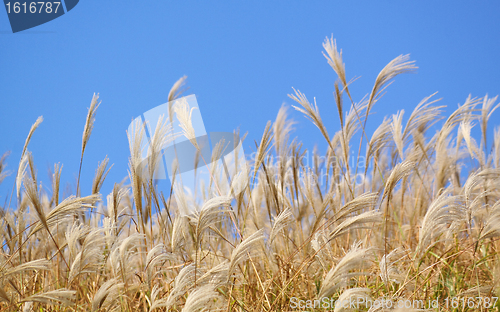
{"x":242,"y":59}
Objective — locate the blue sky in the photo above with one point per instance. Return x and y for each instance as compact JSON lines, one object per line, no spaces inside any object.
{"x":242,"y":58}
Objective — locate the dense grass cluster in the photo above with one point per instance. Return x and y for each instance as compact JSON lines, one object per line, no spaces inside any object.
{"x":419,"y":220}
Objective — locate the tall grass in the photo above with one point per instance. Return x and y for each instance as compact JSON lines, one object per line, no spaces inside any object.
{"x":420,"y":220}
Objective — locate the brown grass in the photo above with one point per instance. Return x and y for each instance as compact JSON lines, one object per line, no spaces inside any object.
{"x":420,"y":221}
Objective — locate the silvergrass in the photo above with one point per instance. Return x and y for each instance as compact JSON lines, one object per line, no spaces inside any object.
{"x":87,"y":131}
{"x":24,"y":158}
{"x":3,"y":173}
{"x":356,"y":258}
{"x":421,"y":216}
{"x":100,"y":175}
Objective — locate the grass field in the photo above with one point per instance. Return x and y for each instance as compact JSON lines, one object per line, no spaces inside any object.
{"x":417,"y":224}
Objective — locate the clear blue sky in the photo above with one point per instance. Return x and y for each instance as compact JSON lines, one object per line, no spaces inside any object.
{"x":242,"y":58}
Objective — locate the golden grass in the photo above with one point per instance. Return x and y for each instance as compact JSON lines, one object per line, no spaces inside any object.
{"x":420,"y":220}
